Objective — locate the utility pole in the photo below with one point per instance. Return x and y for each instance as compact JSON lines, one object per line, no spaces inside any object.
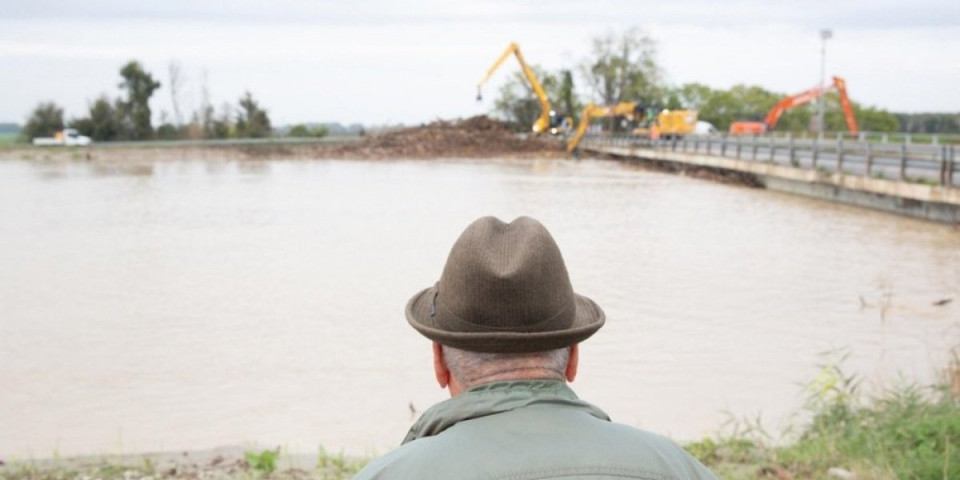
{"x":825,"y":35}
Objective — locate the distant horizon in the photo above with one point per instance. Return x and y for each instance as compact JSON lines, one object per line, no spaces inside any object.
{"x":347,"y":126}
{"x":310,"y":123}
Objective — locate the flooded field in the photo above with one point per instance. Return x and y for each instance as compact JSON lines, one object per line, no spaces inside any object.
{"x":190,"y":304}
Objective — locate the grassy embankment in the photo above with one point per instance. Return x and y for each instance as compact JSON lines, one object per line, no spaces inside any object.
{"x":906,"y":432}
{"x":8,"y":138}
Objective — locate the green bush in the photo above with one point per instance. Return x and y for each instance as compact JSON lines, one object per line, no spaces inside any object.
{"x":264,"y":462}
{"x":302,"y":130}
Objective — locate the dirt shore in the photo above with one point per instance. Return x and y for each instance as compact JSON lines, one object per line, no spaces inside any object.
{"x":475,"y":137}
{"x":220,"y":463}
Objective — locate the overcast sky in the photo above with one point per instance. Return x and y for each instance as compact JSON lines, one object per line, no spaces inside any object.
{"x":377,"y":62}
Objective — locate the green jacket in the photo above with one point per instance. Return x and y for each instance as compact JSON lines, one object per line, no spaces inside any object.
{"x":529,"y":430}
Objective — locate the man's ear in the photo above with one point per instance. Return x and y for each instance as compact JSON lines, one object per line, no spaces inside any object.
{"x":571,"y":372}
{"x":440,"y":366}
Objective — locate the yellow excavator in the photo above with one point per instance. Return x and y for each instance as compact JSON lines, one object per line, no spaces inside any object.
{"x":668,"y":124}
{"x":629,"y":110}
{"x":548,"y":121}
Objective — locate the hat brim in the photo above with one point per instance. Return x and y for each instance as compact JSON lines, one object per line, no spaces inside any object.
{"x":588,"y":319}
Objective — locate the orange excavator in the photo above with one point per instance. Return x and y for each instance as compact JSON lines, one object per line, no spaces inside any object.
{"x":839,"y":86}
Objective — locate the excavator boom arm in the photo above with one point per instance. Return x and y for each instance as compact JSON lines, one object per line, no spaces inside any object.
{"x":624,"y":109}
{"x":585,"y":116}
{"x":503,"y":57}
{"x":790,"y":102}
{"x":537,"y":88}
{"x":543,"y":121}
{"x":839,"y":85}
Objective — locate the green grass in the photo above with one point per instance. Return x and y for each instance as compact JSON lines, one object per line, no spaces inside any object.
{"x":264,"y":462}
{"x":264,"y":465}
{"x":337,"y":466}
{"x":906,"y":432}
{"x":9,"y":138}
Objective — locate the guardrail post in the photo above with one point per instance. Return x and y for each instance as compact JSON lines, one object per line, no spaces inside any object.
{"x":953,"y":164}
{"x":723,"y":146}
{"x":944,"y":152}
{"x":772,"y":149}
{"x":869,"y":152}
{"x":673,"y":142}
{"x":903,"y":161}
{"x":708,"y":145}
{"x":753,"y":142}
{"x":839,"y":154}
{"x":792,"y":148}
{"x":739,"y":143}
{"x":816,"y":153}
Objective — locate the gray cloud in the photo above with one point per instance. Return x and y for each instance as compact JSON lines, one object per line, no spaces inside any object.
{"x":811,"y":14}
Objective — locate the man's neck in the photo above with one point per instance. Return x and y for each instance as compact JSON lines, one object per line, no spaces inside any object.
{"x":519,"y":373}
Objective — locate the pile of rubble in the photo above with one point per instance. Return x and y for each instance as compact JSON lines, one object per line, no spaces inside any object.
{"x":475,"y":137}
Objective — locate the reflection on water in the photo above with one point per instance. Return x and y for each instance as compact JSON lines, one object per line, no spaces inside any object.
{"x":171,"y":305}
{"x":122,"y":169}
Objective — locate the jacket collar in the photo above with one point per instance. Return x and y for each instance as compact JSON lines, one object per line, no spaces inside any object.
{"x":494,"y":398}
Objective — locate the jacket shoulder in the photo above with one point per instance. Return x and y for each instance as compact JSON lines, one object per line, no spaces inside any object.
{"x":622,"y":452}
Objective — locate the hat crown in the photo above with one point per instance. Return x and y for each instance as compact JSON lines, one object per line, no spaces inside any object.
{"x":504,"y":289}
{"x":507,"y":277}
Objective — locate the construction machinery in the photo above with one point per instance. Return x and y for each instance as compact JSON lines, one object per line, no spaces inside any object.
{"x":629,"y":110}
{"x":668,"y":123}
{"x":548,"y":121}
{"x":676,"y":123}
{"x":839,"y":86}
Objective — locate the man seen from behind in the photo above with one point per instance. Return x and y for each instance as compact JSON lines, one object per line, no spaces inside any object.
{"x":505,"y":325}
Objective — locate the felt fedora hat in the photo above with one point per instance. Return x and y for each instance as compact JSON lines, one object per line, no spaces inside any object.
{"x":504,"y":289}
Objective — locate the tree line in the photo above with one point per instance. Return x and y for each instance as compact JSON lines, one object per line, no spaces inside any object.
{"x":129,"y":117}
{"x":929,"y":122}
{"x":622,"y":67}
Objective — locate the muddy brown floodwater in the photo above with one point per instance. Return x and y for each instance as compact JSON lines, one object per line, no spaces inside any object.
{"x":189,"y":304}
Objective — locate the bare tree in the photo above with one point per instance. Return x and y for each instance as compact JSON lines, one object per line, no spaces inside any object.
{"x":176,"y":84}
{"x":622,"y":67}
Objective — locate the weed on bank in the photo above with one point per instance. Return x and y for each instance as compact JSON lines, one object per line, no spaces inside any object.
{"x":907,"y":432}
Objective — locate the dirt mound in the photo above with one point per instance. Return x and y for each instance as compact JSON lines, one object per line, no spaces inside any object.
{"x":474,"y":137}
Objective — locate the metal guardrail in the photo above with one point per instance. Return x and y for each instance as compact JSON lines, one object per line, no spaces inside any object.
{"x":879,"y":137}
{"x":918,"y":163}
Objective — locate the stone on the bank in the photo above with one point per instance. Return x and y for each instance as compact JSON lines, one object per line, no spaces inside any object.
{"x":841,"y":473}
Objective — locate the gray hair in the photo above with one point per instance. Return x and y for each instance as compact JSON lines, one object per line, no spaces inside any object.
{"x":476,"y":368}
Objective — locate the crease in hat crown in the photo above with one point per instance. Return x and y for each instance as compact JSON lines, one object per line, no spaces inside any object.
{"x":504,"y":288}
